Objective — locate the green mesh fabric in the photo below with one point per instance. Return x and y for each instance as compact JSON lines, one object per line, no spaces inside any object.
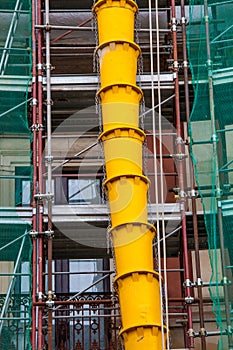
{"x":211,"y":128}
{"x":15,"y":175}
{"x":15,"y":64}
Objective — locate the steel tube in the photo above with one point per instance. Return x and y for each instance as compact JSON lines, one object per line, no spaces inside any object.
{"x":34,"y":181}
{"x":180,"y":167}
{"x":49,"y":170}
{"x":39,"y":187}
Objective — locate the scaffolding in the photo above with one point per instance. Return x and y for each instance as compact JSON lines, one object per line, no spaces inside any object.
{"x":56,"y":260}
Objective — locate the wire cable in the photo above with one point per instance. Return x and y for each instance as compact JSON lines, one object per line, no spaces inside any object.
{"x":155,"y":168}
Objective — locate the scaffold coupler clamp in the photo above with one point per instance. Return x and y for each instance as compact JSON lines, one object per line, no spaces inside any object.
{"x":184,"y":20}
{"x":193,"y":193}
{"x":203,"y":332}
{"x":225,"y":281}
{"x":41,"y":296}
{"x":46,"y":196}
{"x":37,"y":127}
{"x":229,"y":330}
{"x":33,"y":234}
{"x":33,"y":102}
{"x":49,"y":233}
{"x":199,"y":282}
{"x":173,"y":24}
{"x":191,"y":333}
{"x":188,"y":283}
{"x":189,"y":299}
{"x":50,"y":302}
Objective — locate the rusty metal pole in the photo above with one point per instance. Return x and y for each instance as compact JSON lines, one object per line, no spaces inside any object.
{"x":40,"y":253}
{"x":49,"y":174}
{"x":180,"y":159}
{"x":193,"y":194}
{"x":34,"y":164}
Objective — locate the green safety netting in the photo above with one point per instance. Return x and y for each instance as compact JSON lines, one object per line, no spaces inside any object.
{"x":211,"y":131}
{"x":15,"y":65}
{"x":15,"y":290}
{"x":15,"y":175}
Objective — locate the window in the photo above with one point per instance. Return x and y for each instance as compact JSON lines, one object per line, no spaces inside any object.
{"x":22,"y":185}
{"x":84,"y":191}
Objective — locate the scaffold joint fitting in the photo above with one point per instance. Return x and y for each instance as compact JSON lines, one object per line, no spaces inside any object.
{"x":188,"y":283}
{"x":47,"y":27}
{"x":179,"y":156}
{"x":199,"y":282}
{"x":33,"y":234}
{"x":229,"y":330}
{"x":41,"y":196}
{"x":37,"y":127}
{"x":191,"y":333}
{"x":189,"y":299}
{"x":41,"y":296}
{"x":193,"y":193}
{"x":49,"y":304}
{"x":49,"y":159}
{"x":34,"y":102}
{"x":49,"y":233}
{"x":225,"y":281}
{"x":203,"y":332}
{"x":184,"y":20}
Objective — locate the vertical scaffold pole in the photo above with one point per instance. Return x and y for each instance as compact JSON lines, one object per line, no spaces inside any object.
{"x":136,"y":282}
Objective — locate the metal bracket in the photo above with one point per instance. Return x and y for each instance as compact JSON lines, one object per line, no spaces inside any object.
{"x":199,"y":282}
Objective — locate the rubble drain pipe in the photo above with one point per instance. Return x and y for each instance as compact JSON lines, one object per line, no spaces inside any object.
{"x":132,"y":236}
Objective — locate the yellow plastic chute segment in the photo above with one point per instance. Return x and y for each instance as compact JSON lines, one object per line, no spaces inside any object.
{"x":118,"y":62}
{"x":121,"y":93}
{"x":133,"y":243}
{"x":115,"y":19}
{"x":144,"y":338}
{"x":123,"y":151}
{"x":127,"y":196}
{"x":120,"y":105}
{"x":142,"y":307}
